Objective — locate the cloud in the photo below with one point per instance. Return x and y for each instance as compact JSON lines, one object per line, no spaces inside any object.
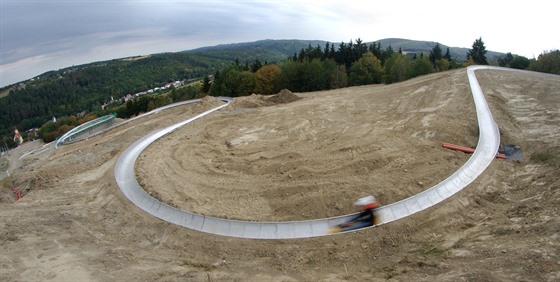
{"x":21,"y":69}
{"x":22,"y":62}
{"x":81,"y":31}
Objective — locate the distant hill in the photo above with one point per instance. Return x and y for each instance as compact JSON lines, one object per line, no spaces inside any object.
{"x":268,"y":50}
{"x":276,"y":50}
{"x":197,"y":62}
{"x":86,"y":87}
{"x":415,"y":46}
{"x":285,"y":46}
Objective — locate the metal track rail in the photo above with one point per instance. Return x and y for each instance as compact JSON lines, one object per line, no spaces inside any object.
{"x":484,"y":154}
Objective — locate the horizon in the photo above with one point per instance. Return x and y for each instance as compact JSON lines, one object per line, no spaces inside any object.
{"x":41,"y":36}
{"x":210,"y":46}
{"x":217,"y":45}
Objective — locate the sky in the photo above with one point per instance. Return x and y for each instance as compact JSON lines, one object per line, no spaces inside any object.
{"x":42,"y":35}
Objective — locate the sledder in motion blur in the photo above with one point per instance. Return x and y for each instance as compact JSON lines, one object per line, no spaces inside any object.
{"x":368,"y":216}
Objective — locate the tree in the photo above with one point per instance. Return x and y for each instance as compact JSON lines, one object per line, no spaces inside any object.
{"x":397,"y":68}
{"x":435,"y":54}
{"x":332,"y":53}
{"x":215,"y":87}
{"x":326,"y":52}
{"x":513,"y":61}
{"x":8,"y":142}
{"x":301,"y":55}
{"x":317,"y":77}
{"x":226,"y":82}
{"x":468,"y":62}
{"x":266,"y":79}
{"x":151,"y":105}
{"x":292,"y":75}
{"x":311,"y":75}
{"x":421,"y":66}
{"x":256,"y":65}
{"x":316,"y":53}
{"x":338,"y":77}
{"x":447,"y":55}
{"x":231,"y":82}
{"x":375,"y":48}
{"x":548,"y":62}
{"x":385,"y":55}
{"x":160,"y":101}
{"x":442,"y":65}
{"x":478,"y":52}
{"x":519,"y":62}
{"x":360,"y":48}
{"x":205,"y":85}
{"x":246,"y":84}
{"x":344,"y":54}
{"x":367,"y":70}
{"x":505,"y":60}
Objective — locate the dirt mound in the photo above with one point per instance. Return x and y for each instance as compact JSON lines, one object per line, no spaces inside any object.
{"x":257,"y":100}
{"x":210,"y":101}
{"x":283,"y":97}
{"x":252,"y":101}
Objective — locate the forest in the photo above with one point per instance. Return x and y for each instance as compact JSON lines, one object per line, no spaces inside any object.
{"x":77,"y":94}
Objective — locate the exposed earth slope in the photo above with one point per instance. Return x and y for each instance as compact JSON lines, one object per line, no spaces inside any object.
{"x":309,"y":158}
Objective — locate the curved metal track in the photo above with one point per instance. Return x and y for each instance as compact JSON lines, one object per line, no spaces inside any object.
{"x":484,"y":154}
{"x":91,"y":124}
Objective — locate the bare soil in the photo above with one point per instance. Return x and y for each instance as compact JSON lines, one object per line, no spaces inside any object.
{"x":271,"y":158}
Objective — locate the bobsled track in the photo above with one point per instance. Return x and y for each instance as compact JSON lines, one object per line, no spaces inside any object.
{"x":488,"y":143}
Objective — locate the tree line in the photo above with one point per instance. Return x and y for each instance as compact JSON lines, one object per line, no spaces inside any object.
{"x":330,"y":67}
{"x":66,"y":92}
{"x":356,"y":63}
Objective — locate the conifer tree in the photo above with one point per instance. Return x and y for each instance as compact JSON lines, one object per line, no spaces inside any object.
{"x":326,"y":53}
{"x":478,"y":52}
{"x":435,"y":54}
{"x":447,"y":55}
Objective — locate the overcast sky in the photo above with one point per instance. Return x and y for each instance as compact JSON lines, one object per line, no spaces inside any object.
{"x":41,"y":35}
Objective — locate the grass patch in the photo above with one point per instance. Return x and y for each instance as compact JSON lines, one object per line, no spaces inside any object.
{"x":501,"y":231}
{"x":542,"y":157}
{"x":390,"y":270}
{"x":423,"y":263}
{"x":431,"y":250}
{"x":204,"y":266}
{"x":458,"y":244}
{"x":312,"y":261}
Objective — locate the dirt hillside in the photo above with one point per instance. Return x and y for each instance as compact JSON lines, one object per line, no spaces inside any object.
{"x":301,"y":156}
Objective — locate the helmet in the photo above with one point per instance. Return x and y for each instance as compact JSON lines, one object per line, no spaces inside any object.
{"x":365,"y":201}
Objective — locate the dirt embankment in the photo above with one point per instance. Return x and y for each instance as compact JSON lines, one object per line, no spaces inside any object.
{"x":309,"y":158}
